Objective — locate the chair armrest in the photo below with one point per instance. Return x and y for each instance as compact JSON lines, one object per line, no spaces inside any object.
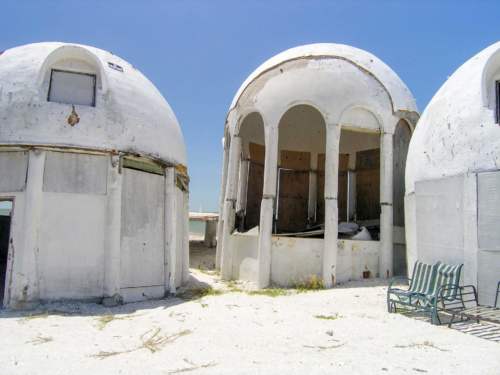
{"x":460,"y":296}
{"x":397,"y":279}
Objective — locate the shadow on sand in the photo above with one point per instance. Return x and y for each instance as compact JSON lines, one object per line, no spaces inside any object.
{"x":192,"y":291}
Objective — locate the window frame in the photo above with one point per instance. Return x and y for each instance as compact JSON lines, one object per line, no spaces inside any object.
{"x":94,"y":86}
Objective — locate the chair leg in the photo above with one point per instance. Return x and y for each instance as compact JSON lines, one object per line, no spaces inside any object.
{"x":451,"y":320}
{"x":435,"y":317}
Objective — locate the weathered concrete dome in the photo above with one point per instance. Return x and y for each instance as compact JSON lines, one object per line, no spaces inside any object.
{"x":457,"y":132}
{"x":297,"y":132}
{"x":319,"y":59}
{"x":453,"y":178}
{"x":128,"y":113}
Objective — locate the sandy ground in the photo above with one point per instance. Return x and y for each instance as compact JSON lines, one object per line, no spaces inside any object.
{"x":345,"y":330}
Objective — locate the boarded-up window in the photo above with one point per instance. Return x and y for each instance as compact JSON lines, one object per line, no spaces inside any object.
{"x":402,"y":137}
{"x":13,"y":166}
{"x":342,"y":188}
{"x":368,"y":184}
{"x":72,"y":88}
{"x":293,"y":196}
{"x":255,"y":185}
{"x":75,"y":173}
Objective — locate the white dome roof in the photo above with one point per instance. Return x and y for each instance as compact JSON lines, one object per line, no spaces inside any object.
{"x":457,"y":132}
{"x":130,"y":114}
{"x":401,"y":96}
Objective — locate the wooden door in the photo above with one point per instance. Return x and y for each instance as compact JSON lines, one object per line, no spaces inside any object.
{"x":293,"y":195}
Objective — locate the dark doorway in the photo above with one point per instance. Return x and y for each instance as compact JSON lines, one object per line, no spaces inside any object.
{"x":5,"y":220}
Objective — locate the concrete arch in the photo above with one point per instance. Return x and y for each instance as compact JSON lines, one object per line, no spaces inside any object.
{"x":73,"y":52}
{"x":490,"y":70}
{"x":359,"y":112}
{"x":317,"y":57}
{"x":304,"y":102}
{"x":244,"y":116}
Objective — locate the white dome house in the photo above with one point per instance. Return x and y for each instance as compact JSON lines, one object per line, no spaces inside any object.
{"x":315,"y":147}
{"x":93,"y":186}
{"x":452,"y":175}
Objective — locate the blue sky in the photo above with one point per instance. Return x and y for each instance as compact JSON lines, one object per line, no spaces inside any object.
{"x":199,"y":52}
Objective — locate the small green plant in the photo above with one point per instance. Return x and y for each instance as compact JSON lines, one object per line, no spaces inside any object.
{"x":32,"y":316}
{"x":197,"y":293}
{"x":312,"y":283}
{"x":233,"y":287}
{"x":104,"y":320}
{"x":328,"y":317}
{"x":270,"y":292}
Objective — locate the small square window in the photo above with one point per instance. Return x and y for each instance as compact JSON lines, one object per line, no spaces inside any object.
{"x":72,"y":88}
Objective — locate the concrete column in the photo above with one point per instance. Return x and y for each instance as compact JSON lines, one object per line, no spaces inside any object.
{"x":210,"y":229}
{"x":267,"y":208}
{"x":386,"y":214}
{"x":184,"y":230}
{"x":331,"y":205}
{"x":222,"y":196}
{"x":241,"y":202}
{"x":25,"y":290}
{"x":313,"y":188}
{"x":170,"y":230}
{"x":230,"y":206}
{"x":112,"y":256}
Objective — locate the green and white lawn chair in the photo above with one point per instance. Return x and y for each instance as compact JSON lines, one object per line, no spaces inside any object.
{"x":445,"y":289}
{"x":420,"y":284}
{"x":429,"y":287}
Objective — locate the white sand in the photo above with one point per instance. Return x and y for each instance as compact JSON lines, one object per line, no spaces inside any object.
{"x":239,"y":333}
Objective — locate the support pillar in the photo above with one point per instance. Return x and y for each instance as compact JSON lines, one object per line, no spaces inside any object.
{"x":171,"y":231}
{"x":267,"y":208}
{"x":184,"y":232}
{"x":331,"y":205}
{"x":230,"y":206}
{"x":386,"y":212}
{"x":25,"y":291}
{"x":241,"y":202}
{"x":112,"y":260}
{"x":313,"y":188}
{"x":210,"y":229}
{"x":225,"y":162}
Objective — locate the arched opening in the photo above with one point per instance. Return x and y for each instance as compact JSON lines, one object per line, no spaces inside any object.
{"x":301,"y":155}
{"x":402,"y":135}
{"x":251,"y":174}
{"x":359,"y":184}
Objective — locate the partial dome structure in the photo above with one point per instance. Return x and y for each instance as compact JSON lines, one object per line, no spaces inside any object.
{"x":315,"y":146}
{"x":452,"y":175}
{"x":94,"y":185}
